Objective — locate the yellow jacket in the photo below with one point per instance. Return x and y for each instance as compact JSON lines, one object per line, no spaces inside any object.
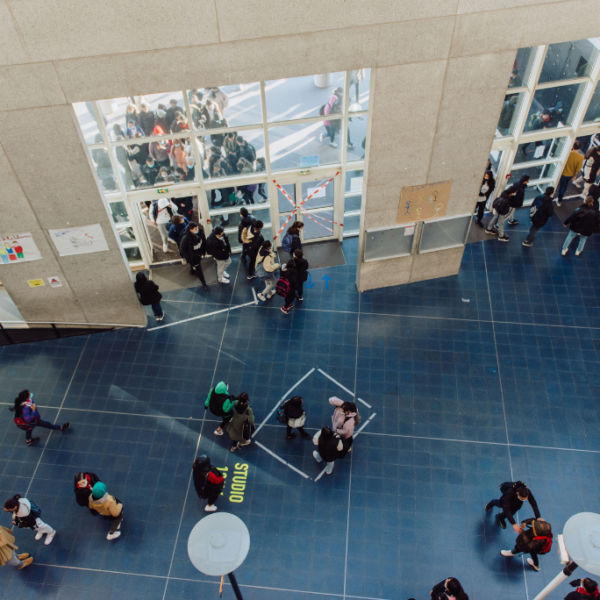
{"x":573,"y":164}
{"x":7,"y":545}
{"x":107,"y":505}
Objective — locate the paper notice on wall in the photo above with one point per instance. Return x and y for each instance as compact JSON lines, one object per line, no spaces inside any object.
{"x":356,"y":184}
{"x":423,"y":202}
{"x":315,"y":192}
{"x":79,"y":240}
{"x":18,"y":248}
{"x":35,"y":282}
{"x":410,"y":230}
{"x":539,"y":151}
{"x":54,"y":282}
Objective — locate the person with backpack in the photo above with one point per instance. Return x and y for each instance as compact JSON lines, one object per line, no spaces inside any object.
{"x":208,"y":481}
{"x":301,"y":273}
{"x":591,"y":166}
{"x":27,"y":417}
{"x":500,"y":211}
{"x":587,"y":589}
{"x":535,"y":538}
{"x":285,"y":286}
{"x":330,"y":448}
{"x":84,"y":483}
{"x":241,"y":426}
{"x":245,"y":222}
{"x":26,"y":515}
{"x":488,"y":185}
{"x":449,"y":588}
{"x":541,"y":210}
{"x":218,"y":247}
{"x":295,"y":417}
{"x":252,"y":240}
{"x":193,"y":247}
{"x":8,"y":555}
{"x":511,"y":501}
{"x":344,"y":418}
{"x":177,"y":229}
{"x":266,"y":266}
{"x":149,"y":294}
{"x":221,"y":403}
{"x":572,"y":168}
{"x":291,"y":240}
{"x":333,"y":106}
{"x":516,"y":201}
{"x":108,"y":506}
{"x":161,"y":212}
{"x":583,"y":221}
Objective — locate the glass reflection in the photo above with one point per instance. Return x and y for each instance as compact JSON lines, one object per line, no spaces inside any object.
{"x":569,"y":60}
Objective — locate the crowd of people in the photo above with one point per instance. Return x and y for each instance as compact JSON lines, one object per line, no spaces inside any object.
{"x":581,"y":169}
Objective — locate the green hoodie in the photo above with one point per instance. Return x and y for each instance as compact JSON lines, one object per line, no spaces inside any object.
{"x":219,"y":401}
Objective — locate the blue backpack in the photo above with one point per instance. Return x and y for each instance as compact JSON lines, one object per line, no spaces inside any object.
{"x":286,"y":242}
{"x":536,"y":209}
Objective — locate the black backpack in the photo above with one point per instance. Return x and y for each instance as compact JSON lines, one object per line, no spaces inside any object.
{"x":501,"y":205}
{"x":507,"y":485}
{"x":322,"y":110}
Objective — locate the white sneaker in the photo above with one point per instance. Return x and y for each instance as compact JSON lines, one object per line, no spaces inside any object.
{"x":209,"y":508}
{"x":333,"y":144}
{"x":226,"y":274}
{"x":270,"y":294}
{"x":532,"y":564}
{"x":217,"y":432}
{"x":165,"y":247}
{"x":578,"y":252}
{"x":564,"y":252}
{"x":261,"y":297}
{"x":321,"y":138}
{"x":49,"y":538}
{"x":507,"y":553}
{"x":225,"y":281}
{"x":317,"y":456}
{"x":113,"y":536}
{"x":38,"y":536}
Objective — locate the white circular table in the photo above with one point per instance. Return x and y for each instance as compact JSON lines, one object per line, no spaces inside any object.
{"x":582,"y":540}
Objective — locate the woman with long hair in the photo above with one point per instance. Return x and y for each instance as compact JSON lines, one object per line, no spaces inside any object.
{"x":27,"y":417}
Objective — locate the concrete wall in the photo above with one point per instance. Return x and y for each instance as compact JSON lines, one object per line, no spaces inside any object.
{"x":440,"y":66}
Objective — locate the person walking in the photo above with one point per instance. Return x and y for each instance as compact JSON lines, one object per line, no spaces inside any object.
{"x":516,"y":201}
{"x":84,"y":483}
{"x":266,"y":267}
{"x":535,"y":538}
{"x":193,"y":247}
{"x":291,"y":240}
{"x":241,"y":426}
{"x":208,"y":481}
{"x":301,"y":273}
{"x":286,"y":286}
{"x":541,"y":210}
{"x":149,"y":294}
{"x":511,"y":501}
{"x":161,"y":212}
{"x":344,"y":418}
{"x":296,"y":418}
{"x":500,"y":211}
{"x":26,"y":515}
{"x":590,"y":168}
{"x":488,"y":185}
{"x":221,"y":403}
{"x":583,"y":221}
{"x":587,"y":589}
{"x":177,"y":229}
{"x":572,"y":168}
{"x":27,"y":417}
{"x":330,"y":448}
{"x":245,"y":222}
{"x":449,"y":588}
{"x":8,"y":555}
{"x":218,"y":246}
{"x":252,"y":241}
{"x":108,"y":506}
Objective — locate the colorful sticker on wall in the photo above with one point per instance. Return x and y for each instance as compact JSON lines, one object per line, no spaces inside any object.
{"x":54,"y":282}
{"x":35,"y":282}
{"x":17,"y":248}
{"x":79,"y":240}
{"x":423,"y":202}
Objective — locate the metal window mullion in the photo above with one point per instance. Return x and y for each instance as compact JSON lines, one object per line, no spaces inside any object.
{"x":121,"y":186}
{"x":339,"y":194}
{"x":562,"y":83}
{"x":152,"y":138}
{"x":306,"y":120}
{"x":533,"y":164}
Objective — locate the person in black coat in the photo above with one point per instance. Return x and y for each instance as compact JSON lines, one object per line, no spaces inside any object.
{"x":583,"y":221}
{"x":193,"y":248}
{"x":149,"y":295}
{"x":84,"y":482}
{"x":500,"y":211}
{"x":517,"y":200}
{"x":296,"y":418}
{"x":301,"y":273}
{"x":329,"y":448}
{"x":448,"y":588}
{"x":208,"y":481}
{"x":543,"y":209}
{"x":587,"y":589}
{"x":511,"y":501}
{"x":147,"y":119}
{"x":220,"y":249}
{"x":488,"y":185}
{"x":254,"y":247}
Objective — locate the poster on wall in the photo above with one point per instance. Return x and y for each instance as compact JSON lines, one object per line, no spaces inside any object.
{"x":79,"y":240}
{"x":18,"y":248}
{"x":423,"y":202}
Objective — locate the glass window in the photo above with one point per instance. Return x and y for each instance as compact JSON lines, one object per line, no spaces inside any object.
{"x":118,"y":211}
{"x":447,"y":233}
{"x":569,"y":60}
{"x":287,"y":202}
{"x":509,"y":113}
{"x":554,"y":107}
{"x":104,"y":169}
{"x":301,"y":97}
{"x":522,"y":67}
{"x":240,"y":195}
{"x":354,"y":181}
{"x":593,"y":112}
{"x":495,"y":160}
{"x":357,"y":137}
{"x":133,"y":254}
{"x":230,"y":154}
{"x":320,"y":197}
{"x":84,"y":111}
{"x":352,"y":203}
{"x":540,"y":150}
{"x":233,"y":219}
{"x":351,"y":224}
{"x":318,"y":225}
{"x":535,"y":173}
{"x":126,"y":234}
{"x":358,"y":90}
{"x":304,"y":146}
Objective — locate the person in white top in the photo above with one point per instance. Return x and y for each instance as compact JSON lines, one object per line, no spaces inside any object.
{"x":26,"y":516}
{"x":161,"y":213}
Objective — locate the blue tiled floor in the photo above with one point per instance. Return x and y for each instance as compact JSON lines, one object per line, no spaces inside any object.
{"x":462,"y":396}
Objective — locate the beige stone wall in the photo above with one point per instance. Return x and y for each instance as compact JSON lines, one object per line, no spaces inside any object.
{"x":440,"y":66}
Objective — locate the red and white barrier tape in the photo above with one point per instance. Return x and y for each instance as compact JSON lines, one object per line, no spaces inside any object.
{"x":283,"y":226}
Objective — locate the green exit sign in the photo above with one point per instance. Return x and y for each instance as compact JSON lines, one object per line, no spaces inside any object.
{"x":162,"y":190}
